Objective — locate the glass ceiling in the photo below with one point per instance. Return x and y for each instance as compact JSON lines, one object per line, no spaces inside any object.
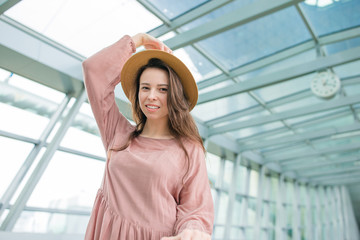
{"x":253,"y":70}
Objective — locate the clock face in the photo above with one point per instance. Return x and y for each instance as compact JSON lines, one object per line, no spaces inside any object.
{"x":325,"y":84}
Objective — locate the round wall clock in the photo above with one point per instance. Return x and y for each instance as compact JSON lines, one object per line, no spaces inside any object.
{"x":325,"y":84}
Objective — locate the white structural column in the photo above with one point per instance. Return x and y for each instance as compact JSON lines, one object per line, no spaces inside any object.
{"x":331,"y":224}
{"x":296,"y":215}
{"x":268,"y":228}
{"x":218,"y":186}
{"x":346,"y":214}
{"x":280,"y":211}
{"x":340,"y":213}
{"x":259,"y":203}
{"x":20,"y":203}
{"x":309,"y":226}
{"x":15,"y":183}
{"x":325,"y":212}
{"x":351,"y":228}
{"x":335,"y":225}
{"x":232,"y":198}
{"x":244,"y":205}
{"x":318,"y":214}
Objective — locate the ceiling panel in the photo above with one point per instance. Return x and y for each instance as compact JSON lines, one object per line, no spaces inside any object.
{"x":331,"y":16}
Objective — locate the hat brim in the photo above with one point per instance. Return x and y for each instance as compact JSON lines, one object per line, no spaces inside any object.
{"x":132,"y":65}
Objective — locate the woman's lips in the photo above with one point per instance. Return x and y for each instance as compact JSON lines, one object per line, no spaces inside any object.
{"x":152,"y":108}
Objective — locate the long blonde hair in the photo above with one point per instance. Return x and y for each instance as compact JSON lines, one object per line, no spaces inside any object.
{"x":181,"y":124}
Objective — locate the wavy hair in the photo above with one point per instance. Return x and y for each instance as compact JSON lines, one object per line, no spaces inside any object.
{"x":181,"y":124}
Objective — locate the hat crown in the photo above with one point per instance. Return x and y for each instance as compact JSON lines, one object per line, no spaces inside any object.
{"x":140,"y":59}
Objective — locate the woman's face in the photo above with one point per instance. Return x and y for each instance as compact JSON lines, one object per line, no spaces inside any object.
{"x":154,"y":84}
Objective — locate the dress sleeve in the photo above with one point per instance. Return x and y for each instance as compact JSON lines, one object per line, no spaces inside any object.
{"x":101,"y":75}
{"x":195,"y":209}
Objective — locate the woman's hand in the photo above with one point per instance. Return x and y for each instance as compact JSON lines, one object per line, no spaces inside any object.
{"x":189,"y":234}
{"x":149,"y":42}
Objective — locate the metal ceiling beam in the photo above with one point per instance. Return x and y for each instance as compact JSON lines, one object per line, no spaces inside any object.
{"x":277,"y":102}
{"x":340,"y":36}
{"x":309,"y":163}
{"x":263,"y":62}
{"x":330,"y":171}
{"x":18,"y":137}
{"x":233,"y":19}
{"x":40,"y":59}
{"x":187,"y":17}
{"x":355,"y":188}
{"x":315,"y":153}
{"x":307,"y":23}
{"x":339,"y":176}
{"x":332,"y":38}
{"x":280,"y":130}
{"x":154,"y":10}
{"x":283,"y":75}
{"x":323,"y":157}
{"x":258,"y":108}
{"x":302,"y":111}
{"x":343,"y":179}
{"x":303,"y":136}
{"x":235,"y":115}
{"x":7,"y":4}
{"x":211,"y":59}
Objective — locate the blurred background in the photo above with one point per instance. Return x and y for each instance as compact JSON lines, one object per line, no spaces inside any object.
{"x":278,"y":109}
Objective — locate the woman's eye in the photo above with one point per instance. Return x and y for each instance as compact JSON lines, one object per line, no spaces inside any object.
{"x":163,"y":89}
{"x":144,"y":88}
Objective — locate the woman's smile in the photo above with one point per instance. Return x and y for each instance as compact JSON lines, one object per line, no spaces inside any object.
{"x":153,"y":92}
{"x":152,"y":108}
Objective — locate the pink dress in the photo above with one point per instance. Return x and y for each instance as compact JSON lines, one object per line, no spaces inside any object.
{"x":144,"y":194}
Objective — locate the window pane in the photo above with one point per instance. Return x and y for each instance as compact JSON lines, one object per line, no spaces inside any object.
{"x":83,"y":141}
{"x":75,"y":23}
{"x":331,"y":16}
{"x":213,"y":166}
{"x":285,"y":88}
{"x":226,"y":9}
{"x":257,"y":39}
{"x":229,"y":165}
{"x":251,"y":212}
{"x":42,"y":222}
{"x":174,"y":8}
{"x":254,"y":179}
{"x":21,"y":122}
{"x":200,"y":67}
{"x":69,"y":182}
{"x":13,"y":154}
{"x":223,"y":106}
{"x":236,"y":214}
{"x":289,"y":192}
{"x":223,"y":205}
{"x":32,"y":87}
{"x":218,"y":232}
{"x":342,"y":46}
{"x":241,"y":179}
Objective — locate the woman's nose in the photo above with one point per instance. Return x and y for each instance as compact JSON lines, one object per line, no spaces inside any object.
{"x":152,"y":95}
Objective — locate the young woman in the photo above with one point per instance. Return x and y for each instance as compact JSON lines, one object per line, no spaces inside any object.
{"x":155,"y":184}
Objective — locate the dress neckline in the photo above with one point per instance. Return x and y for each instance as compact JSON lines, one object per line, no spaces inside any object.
{"x":157,"y":139}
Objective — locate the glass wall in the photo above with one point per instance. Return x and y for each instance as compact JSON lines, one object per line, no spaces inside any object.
{"x":251,"y":202}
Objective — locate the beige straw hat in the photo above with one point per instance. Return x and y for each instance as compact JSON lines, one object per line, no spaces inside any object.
{"x":132,"y":65}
